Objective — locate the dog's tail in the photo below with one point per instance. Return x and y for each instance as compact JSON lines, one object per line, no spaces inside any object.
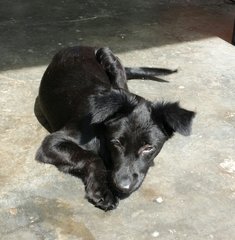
{"x":148,"y":73}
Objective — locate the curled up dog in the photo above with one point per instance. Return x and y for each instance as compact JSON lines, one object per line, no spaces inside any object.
{"x":99,"y":131}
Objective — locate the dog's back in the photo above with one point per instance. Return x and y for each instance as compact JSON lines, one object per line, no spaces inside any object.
{"x":70,"y":78}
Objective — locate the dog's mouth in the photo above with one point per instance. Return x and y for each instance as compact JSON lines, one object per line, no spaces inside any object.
{"x":121,"y":195}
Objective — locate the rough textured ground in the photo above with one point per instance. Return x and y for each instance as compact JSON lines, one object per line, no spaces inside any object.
{"x":190,"y":193}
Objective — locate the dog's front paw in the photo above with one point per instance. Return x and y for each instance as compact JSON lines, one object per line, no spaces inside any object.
{"x":101,"y":197}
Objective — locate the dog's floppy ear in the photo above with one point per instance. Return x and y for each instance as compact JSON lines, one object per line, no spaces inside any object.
{"x":107,"y":104}
{"x":172,"y":118}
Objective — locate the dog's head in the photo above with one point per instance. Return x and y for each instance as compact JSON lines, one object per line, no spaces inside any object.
{"x":135,"y":131}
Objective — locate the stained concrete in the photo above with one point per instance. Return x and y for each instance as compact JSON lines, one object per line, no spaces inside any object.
{"x":190,"y":193}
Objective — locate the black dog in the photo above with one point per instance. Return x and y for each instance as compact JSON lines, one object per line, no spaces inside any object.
{"x":100,"y":132}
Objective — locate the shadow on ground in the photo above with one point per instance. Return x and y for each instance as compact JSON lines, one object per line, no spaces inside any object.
{"x":32,"y":31}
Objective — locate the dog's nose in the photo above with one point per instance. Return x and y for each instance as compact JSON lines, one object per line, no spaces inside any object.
{"x":125,"y":183}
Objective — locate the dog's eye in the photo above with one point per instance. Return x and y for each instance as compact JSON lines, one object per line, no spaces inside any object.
{"x":146,"y":149}
{"x":116,"y":142}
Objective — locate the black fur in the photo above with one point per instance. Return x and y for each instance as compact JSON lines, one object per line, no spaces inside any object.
{"x":100,"y":132}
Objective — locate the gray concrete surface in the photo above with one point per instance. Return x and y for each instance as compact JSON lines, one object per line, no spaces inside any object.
{"x":190,"y":193}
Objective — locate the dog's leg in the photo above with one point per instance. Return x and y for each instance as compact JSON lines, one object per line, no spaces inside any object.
{"x":64,"y":152}
{"x":113,"y":67}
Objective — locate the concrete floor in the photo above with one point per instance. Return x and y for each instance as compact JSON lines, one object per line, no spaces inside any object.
{"x":190,"y":193}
